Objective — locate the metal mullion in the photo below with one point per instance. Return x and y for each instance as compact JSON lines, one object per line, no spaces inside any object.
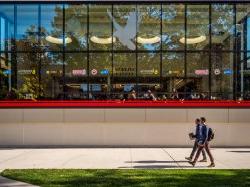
{"x":136,"y":49}
{"x":1,"y":36}
{"x":7,"y":55}
{"x":197,"y":51}
{"x":112,"y":56}
{"x":63,"y":56}
{"x":210,"y":49}
{"x":161,"y":79}
{"x":14,"y":78}
{"x":235,"y":72}
{"x":88,"y":51}
{"x":1,"y":47}
{"x":39,"y":47}
{"x":185,"y":49}
{"x":72,"y":51}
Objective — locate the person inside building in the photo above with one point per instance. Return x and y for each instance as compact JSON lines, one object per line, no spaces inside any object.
{"x":132,"y":95}
{"x":11,"y":95}
{"x":150,"y":96}
{"x":175,"y":94}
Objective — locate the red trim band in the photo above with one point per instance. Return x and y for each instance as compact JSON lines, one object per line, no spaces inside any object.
{"x":124,"y":104}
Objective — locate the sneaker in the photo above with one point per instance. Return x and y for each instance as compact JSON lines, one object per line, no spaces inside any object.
{"x":188,"y":158}
{"x":203,"y":160}
{"x":192,"y":163}
{"x":211,"y":165}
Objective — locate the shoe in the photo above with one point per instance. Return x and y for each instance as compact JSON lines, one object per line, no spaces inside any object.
{"x":203,"y":160}
{"x":188,"y":158}
{"x":211,"y":165}
{"x":192,"y":163}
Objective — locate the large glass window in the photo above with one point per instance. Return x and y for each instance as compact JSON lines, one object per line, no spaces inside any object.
{"x":148,"y":65}
{"x":76,"y":27}
{"x":124,"y":27}
{"x":148,"y":72}
{"x":243,"y":76}
{"x":28,"y":84}
{"x":173,"y":64}
{"x":149,"y":17}
{"x":27,"y":27}
{"x":197,"y":82}
{"x":197,"y":34}
{"x":124,"y":75}
{"x":223,"y":28}
{"x":100,"y":27}
{"x":222,"y":72}
{"x":76,"y":74}
{"x":52,"y":37}
{"x":6,"y":77}
{"x":121,"y":50}
{"x":173,"y":74}
{"x":241,"y":25}
{"x":51,"y":85}
{"x":124,"y":65}
{"x":100,"y":71}
{"x":173,"y":26}
{"x":6,"y":27}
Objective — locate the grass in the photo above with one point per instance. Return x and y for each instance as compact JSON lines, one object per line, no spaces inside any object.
{"x":130,"y":177}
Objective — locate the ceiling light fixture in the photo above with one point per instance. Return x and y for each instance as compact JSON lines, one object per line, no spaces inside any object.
{"x":58,"y":40}
{"x":151,"y":40}
{"x":98,"y":40}
{"x":195,"y":40}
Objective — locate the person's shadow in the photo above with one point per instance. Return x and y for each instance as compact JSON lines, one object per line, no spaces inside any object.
{"x":159,"y":164}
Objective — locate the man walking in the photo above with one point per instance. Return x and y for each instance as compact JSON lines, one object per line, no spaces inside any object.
{"x":195,"y":147}
{"x":203,"y":143}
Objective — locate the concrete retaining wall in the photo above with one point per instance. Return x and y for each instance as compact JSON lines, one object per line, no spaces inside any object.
{"x":119,"y":127}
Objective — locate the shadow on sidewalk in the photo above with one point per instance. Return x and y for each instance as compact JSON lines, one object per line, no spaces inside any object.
{"x":162,"y":167}
{"x":155,"y":161}
{"x":158,"y":164}
{"x":239,"y":151}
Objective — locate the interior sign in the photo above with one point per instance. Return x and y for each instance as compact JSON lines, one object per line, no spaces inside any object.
{"x":7,"y":72}
{"x":79,"y":71}
{"x":201,"y":72}
{"x":149,"y":71}
{"x":26,"y":71}
{"x":228,"y":72}
{"x":94,"y":72}
{"x":217,"y":71}
{"x":104,"y":72}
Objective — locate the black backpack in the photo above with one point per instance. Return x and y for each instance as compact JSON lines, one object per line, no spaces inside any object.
{"x":210,"y":134}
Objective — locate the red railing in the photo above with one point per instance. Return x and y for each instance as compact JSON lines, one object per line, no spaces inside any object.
{"x":124,"y":104}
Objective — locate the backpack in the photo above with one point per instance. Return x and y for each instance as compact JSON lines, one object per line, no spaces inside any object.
{"x":210,"y":134}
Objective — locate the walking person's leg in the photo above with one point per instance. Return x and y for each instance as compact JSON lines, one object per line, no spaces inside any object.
{"x":207,"y":148}
{"x":195,"y":147}
{"x":204,"y":156}
{"x":200,"y":148}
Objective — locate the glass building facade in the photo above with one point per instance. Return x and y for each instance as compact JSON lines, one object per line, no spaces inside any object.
{"x":92,"y":51}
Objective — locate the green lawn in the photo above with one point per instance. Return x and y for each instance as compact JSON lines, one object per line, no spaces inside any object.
{"x":147,"y":177}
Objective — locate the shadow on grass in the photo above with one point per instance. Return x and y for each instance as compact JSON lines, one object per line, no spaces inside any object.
{"x":126,"y":178}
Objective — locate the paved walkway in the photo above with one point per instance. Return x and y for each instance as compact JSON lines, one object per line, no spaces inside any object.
{"x":118,"y":158}
{"x":4,"y":182}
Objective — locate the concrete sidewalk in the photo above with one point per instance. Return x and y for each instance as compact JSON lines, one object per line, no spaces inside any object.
{"x":5,"y":182}
{"x":118,"y":158}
